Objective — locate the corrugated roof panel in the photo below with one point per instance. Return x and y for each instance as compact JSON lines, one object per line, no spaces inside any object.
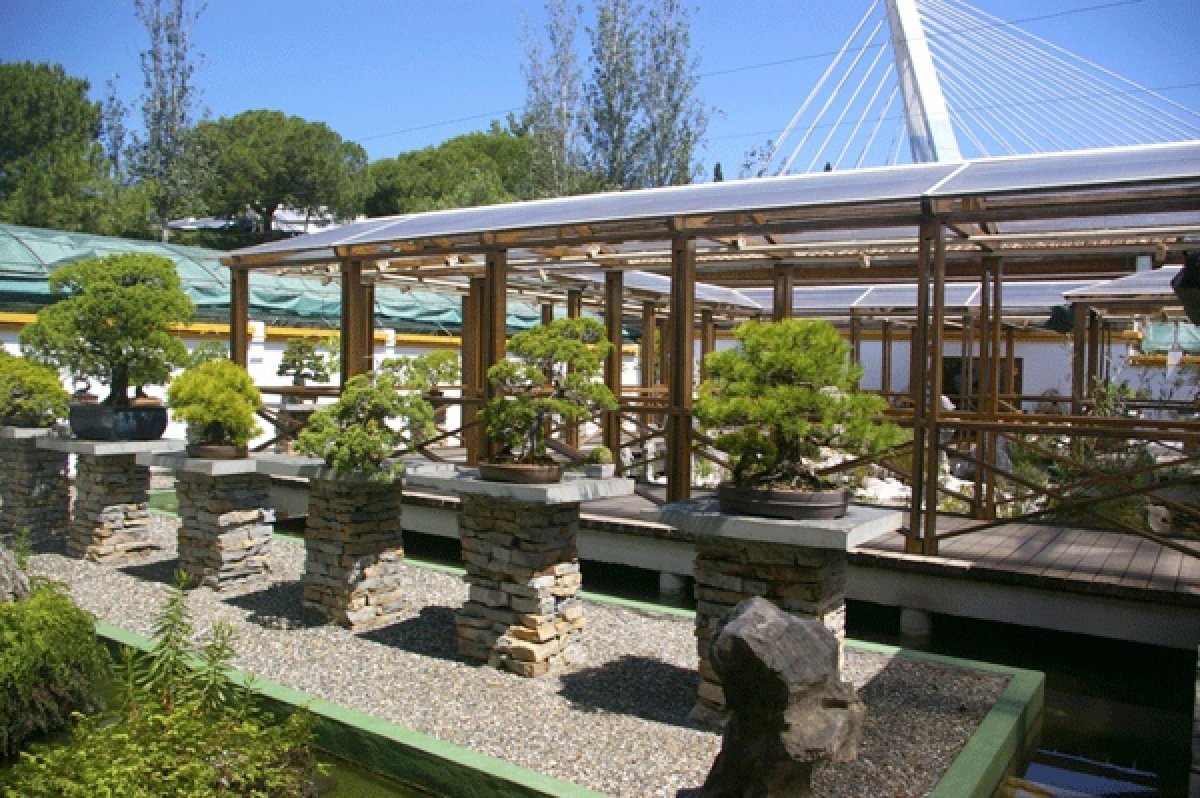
{"x":1155,"y":283}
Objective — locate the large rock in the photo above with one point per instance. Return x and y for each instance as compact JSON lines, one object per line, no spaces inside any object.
{"x":789,"y":708}
{"x":13,"y":584}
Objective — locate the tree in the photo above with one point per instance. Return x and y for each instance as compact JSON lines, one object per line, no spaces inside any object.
{"x":615,"y":118}
{"x":553,"y":94}
{"x":265,"y":160}
{"x":473,"y":169}
{"x":171,"y":100}
{"x":674,"y":119}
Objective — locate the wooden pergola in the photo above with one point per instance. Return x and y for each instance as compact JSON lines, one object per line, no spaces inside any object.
{"x":1043,"y":216}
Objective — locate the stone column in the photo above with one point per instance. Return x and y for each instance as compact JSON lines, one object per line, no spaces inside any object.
{"x":34,"y":493}
{"x":800,"y":566}
{"x":353,"y":552}
{"x":523,"y":611}
{"x":225,"y":527}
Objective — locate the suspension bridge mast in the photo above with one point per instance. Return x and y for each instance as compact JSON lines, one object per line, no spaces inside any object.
{"x":930,"y":134}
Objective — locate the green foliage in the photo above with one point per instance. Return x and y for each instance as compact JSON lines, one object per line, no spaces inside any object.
{"x":424,"y":372}
{"x":551,"y":377}
{"x":183,"y":729}
{"x":600,"y":455}
{"x":114,"y":323}
{"x":50,"y":665}
{"x":303,"y":361}
{"x":30,"y":392}
{"x":218,"y":400}
{"x":354,"y":435}
{"x":788,"y":390}
{"x":206,"y":351}
{"x":264,"y":160}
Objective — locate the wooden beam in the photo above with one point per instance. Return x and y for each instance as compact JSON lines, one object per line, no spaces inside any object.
{"x":918,"y":387}
{"x":614,"y":289}
{"x":885,"y":379}
{"x":929,"y":538}
{"x":239,"y":316}
{"x":357,"y":322}
{"x":494,"y":337}
{"x":646,"y":349}
{"x":472,"y":367}
{"x":708,"y":339}
{"x":784,"y":280}
{"x":1079,"y":358}
{"x":574,"y":303}
{"x":679,"y":386}
{"x":547,"y":312}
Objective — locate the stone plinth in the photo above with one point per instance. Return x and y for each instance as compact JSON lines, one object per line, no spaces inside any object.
{"x":34,"y":494}
{"x":353,"y":552}
{"x":110,"y":516}
{"x":800,"y":566}
{"x":523,"y":612}
{"x":225,"y":521}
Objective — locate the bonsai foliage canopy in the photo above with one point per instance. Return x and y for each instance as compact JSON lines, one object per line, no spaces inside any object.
{"x":552,"y":376}
{"x":31,"y":394}
{"x":114,"y":322}
{"x":787,"y":391}
{"x":218,"y":399}
{"x":358,"y":433}
{"x":303,"y":361}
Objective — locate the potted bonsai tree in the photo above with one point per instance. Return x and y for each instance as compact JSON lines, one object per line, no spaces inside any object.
{"x":551,"y":377}
{"x":426,"y":373}
{"x":355,"y":436}
{"x":114,"y":325}
{"x":302,"y":361}
{"x":785,"y":393}
{"x":599,"y":462}
{"x":31,"y":394}
{"x":218,"y":401}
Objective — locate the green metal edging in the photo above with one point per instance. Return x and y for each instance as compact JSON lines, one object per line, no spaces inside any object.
{"x":390,"y":750}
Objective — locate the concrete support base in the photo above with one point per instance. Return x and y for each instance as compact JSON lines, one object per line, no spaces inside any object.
{"x":522,"y":612}
{"x":671,"y":586}
{"x":225,"y":529}
{"x":354,"y":553}
{"x":915,"y":623}
{"x":34,"y":494}
{"x":110,"y":518}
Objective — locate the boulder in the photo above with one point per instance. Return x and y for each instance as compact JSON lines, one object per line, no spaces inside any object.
{"x":789,"y":708}
{"x":13,"y":584}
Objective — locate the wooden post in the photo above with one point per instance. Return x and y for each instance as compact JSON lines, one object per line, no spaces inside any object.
{"x":966,"y":371}
{"x":856,"y":337}
{"x":679,"y":385}
{"x":918,"y":389}
{"x":929,"y":539}
{"x":1010,"y":359}
{"x":646,"y":350}
{"x":784,"y":283}
{"x":547,"y":312}
{"x":239,"y":315}
{"x":708,"y":339}
{"x":1095,"y":322}
{"x":614,"y":296}
{"x":494,"y":336}
{"x":885,"y":377}
{"x":357,"y":322}
{"x":993,"y":377}
{"x":570,"y":431}
{"x":472,"y":363}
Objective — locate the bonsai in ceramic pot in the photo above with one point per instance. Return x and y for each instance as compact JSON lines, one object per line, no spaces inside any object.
{"x":787,"y":392}
{"x":114,"y":324}
{"x":551,"y":376}
{"x":358,"y":434}
{"x":31,"y":394}
{"x":599,"y":462}
{"x":218,"y":401}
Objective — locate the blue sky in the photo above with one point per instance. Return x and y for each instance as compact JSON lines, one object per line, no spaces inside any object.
{"x":395,"y":75}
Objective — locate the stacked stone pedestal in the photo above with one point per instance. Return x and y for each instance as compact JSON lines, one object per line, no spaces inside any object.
{"x":522,"y":611}
{"x":353,"y":553}
{"x":225,"y":528}
{"x":110,"y":518}
{"x":34,"y":493}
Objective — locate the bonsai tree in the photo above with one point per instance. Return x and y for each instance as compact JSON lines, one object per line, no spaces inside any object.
{"x":601,"y":455}
{"x":551,"y":376}
{"x":114,"y":322}
{"x":302,"y":361}
{"x":788,"y":390}
{"x":354,"y":435}
{"x":424,"y":372}
{"x":218,"y":400}
{"x":31,"y":394}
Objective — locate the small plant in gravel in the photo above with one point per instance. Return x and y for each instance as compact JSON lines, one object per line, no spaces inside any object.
{"x":182,"y":729}
{"x":31,"y":394}
{"x":372,"y":418}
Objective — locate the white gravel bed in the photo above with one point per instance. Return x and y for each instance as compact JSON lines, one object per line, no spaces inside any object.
{"x":616,"y":724}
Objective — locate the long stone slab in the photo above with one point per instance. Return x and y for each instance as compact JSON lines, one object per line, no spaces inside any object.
{"x":294,"y":465}
{"x":569,"y":491}
{"x":24,"y":433}
{"x":179,"y":461}
{"x":109,"y":448}
{"x":859,"y":525}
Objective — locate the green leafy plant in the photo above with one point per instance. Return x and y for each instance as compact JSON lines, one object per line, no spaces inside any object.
{"x":113,"y":323}
{"x":303,"y":361}
{"x":30,"y":393}
{"x":218,"y":400}
{"x":355,"y":435}
{"x":552,"y":377}
{"x":424,"y":372}
{"x":788,"y":390}
{"x":600,"y":455}
{"x":206,"y":351}
{"x":51,"y":665}
{"x":183,"y":728}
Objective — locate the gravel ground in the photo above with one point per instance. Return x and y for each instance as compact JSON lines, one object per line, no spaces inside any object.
{"x":616,"y":724}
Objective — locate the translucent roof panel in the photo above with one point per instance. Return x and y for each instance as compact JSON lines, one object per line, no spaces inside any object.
{"x":1085,"y":168}
{"x":1143,"y":221}
{"x":1040,"y":295}
{"x":660,"y":284}
{"x":821,"y":188}
{"x":1152,"y":284}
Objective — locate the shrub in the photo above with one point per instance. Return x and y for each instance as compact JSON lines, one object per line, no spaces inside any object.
{"x":600,"y":455}
{"x":302,"y":361}
{"x":424,"y":372}
{"x":30,"y":392}
{"x":218,"y":400}
{"x":51,"y":665}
